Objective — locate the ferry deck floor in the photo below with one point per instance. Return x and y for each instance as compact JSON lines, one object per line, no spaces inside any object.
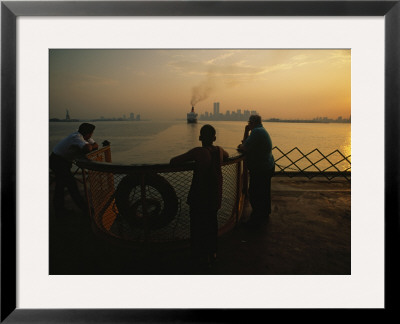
{"x":307,"y":233}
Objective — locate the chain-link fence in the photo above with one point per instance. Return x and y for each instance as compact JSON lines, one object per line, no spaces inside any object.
{"x":147,"y":203}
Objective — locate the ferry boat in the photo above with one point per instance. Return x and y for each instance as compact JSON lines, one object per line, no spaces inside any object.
{"x":192,"y":117}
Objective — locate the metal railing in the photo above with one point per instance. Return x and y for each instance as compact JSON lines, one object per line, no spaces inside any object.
{"x":312,"y":164}
{"x":136,"y":204}
{"x":146,"y":204}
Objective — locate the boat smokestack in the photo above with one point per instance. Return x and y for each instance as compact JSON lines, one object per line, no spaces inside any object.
{"x":192,"y":116}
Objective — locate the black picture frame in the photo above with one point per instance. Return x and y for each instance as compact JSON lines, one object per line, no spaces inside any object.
{"x":10,"y":10}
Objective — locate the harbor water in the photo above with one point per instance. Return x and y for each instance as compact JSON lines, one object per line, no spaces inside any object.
{"x":154,"y":142}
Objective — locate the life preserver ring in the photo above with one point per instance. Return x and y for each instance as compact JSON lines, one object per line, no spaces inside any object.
{"x":156,"y":210}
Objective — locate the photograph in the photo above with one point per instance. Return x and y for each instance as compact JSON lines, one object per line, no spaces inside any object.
{"x":191,"y":160}
{"x":204,"y":161}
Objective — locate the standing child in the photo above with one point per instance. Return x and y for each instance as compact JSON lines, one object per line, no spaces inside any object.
{"x":205,"y":195}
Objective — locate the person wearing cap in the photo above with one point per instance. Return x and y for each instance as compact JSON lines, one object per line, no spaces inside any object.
{"x":205,"y":196}
{"x":73,"y":146}
{"x":257,"y":147}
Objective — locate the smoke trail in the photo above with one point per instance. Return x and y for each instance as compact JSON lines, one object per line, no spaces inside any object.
{"x":203,"y":90}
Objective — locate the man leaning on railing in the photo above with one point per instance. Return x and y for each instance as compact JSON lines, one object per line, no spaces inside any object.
{"x":64,"y":153}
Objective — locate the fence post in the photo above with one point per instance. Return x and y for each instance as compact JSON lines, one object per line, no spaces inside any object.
{"x":144,"y":205}
{"x":86,"y":192}
{"x":107,"y":154}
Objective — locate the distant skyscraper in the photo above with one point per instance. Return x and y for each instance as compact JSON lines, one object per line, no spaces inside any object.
{"x":132,"y":116}
{"x":216,"y":108}
{"x":67,"y":115}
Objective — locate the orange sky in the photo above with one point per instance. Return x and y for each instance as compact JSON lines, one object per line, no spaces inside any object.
{"x":160,"y":84}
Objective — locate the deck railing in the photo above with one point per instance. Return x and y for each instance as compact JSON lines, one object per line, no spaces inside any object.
{"x":312,"y":164}
{"x":136,"y":204}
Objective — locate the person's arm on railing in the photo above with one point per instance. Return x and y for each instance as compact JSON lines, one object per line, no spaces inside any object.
{"x":224,"y":154}
{"x":186,"y":157}
{"x":89,"y":148}
{"x":92,"y":145}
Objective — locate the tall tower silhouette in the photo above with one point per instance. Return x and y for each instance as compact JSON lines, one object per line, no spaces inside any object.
{"x":67,"y":115}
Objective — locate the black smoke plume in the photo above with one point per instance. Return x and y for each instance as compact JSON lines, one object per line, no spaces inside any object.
{"x":202,"y":91}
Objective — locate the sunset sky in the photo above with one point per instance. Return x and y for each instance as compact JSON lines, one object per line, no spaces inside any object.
{"x":160,"y":84}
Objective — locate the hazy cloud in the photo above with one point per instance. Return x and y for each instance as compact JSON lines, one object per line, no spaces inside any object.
{"x":163,"y":81}
{"x":86,"y":80}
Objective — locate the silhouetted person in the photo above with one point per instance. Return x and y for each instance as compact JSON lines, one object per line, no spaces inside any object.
{"x":257,"y":148}
{"x":64,"y":153}
{"x":205,"y":195}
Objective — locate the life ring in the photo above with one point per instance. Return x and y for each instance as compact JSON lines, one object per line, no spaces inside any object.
{"x":156,"y":210}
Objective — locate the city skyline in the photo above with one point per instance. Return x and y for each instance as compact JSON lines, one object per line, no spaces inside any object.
{"x":244,"y":114}
{"x":216,"y":115}
{"x":165,"y":84}
{"x":132,"y":117}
